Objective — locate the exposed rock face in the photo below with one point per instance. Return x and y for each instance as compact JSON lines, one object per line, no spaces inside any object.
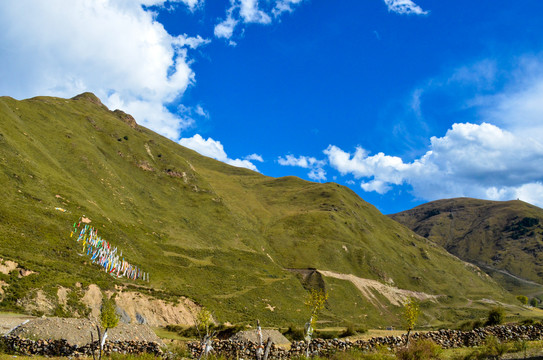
{"x":134,"y":307}
{"x":143,"y":309}
{"x":126,"y":118}
{"x":88,"y":96}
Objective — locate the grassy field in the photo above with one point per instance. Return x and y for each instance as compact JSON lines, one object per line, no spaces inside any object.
{"x":221,"y":235}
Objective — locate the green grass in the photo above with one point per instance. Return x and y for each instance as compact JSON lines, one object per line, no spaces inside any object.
{"x":221,"y":235}
{"x":502,"y":237}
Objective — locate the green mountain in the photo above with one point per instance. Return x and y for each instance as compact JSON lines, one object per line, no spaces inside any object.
{"x":229,"y":238}
{"x":504,"y":238}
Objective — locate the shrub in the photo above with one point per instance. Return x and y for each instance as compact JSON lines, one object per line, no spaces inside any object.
{"x":492,"y":349}
{"x":221,"y":331}
{"x":61,"y":312}
{"x":523,"y":299}
{"x":496,"y":316}
{"x":534,"y":302}
{"x":420,"y":350}
{"x":294,"y":334}
{"x":108,"y":317}
{"x":470,"y":325}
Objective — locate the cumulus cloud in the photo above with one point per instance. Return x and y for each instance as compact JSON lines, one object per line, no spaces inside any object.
{"x":128,"y":59}
{"x":250,"y":13}
{"x":243,"y":12}
{"x":225,"y":29}
{"x":317,"y":172}
{"x":214,"y":149}
{"x":404,"y":7}
{"x":254,"y":157}
{"x":470,"y":160}
{"x":305,"y":162}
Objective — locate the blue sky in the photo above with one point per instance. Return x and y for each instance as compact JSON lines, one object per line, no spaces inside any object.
{"x":402,"y":101}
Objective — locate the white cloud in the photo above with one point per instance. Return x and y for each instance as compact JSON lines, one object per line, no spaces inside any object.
{"x":243,"y":12}
{"x":481,"y":161}
{"x":519,"y":107}
{"x":214,"y":149}
{"x":317,"y":172}
{"x":225,"y":29}
{"x":200,"y":111}
{"x":282,"y":6}
{"x":404,"y":7}
{"x":192,"y":42}
{"x":250,"y":12}
{"x":128,"y":59}
{"x":192,"y":4}
{"x":305,"y":162}
{"x":254,"y":157}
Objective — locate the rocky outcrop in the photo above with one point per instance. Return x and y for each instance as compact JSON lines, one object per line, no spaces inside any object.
{"x":126,"y":118}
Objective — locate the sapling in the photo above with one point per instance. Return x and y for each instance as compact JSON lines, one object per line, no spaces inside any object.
{"x":315,"y":301}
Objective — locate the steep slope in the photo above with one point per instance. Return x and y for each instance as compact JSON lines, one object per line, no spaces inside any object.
{"x":221,"y":235}
{"x":503,"y":237}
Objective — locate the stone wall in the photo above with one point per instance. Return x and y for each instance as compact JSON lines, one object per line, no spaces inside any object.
{"x":63,"y":348}
{"x":444,"y":338}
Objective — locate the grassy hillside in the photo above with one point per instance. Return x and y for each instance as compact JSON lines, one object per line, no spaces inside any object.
{"x":504,"y":238}
{"x":218,"y":234}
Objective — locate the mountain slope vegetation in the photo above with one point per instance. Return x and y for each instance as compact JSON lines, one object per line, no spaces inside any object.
{"x":221,"y":235}
{"x":504,"y":238}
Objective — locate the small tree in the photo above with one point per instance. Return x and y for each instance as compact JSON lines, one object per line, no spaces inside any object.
{"x":108,"y":319}
{"x":411,"y":312}
{"x":496,"y":316}
{"x":108,"y":315}
{"x":534,"y":302}
{"x":204,"y":319}
{"x":315,"y":301}
{"x":523,"y":299}
{"x":203,"y":323}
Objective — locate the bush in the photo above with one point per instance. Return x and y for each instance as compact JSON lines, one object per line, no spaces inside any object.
{"x":496,"y":316}
{"x":351,"y":330}
{"x":321,"y":334}
{"x":222,"y":331}
{"x":294,"y":333}
{"x":492,"y":349}
{"x":523,"y":299}
{"x":4,"y":348}
{"x":534,"y":302}
{"x":420,"y":350}
{"x":61,"y":312}
{"x":470,"y":325}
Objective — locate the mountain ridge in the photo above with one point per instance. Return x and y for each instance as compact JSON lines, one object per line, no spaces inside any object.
{"x":220,"y":235}
{"x":503,"y":236}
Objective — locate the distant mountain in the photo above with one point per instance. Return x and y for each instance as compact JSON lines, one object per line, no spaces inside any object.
{"x":505,"y":238}
{"x":229,"y":238}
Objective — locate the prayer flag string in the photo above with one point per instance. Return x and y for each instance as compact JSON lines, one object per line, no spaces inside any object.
{"x":104,"y":254}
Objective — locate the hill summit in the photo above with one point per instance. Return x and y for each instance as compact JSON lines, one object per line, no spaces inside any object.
{"x":503,"y":237}
{"x":231,"y":239}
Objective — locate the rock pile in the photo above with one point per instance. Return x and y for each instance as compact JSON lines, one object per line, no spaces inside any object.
{"x":63,"y":348}
{"x":444,"y":338}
